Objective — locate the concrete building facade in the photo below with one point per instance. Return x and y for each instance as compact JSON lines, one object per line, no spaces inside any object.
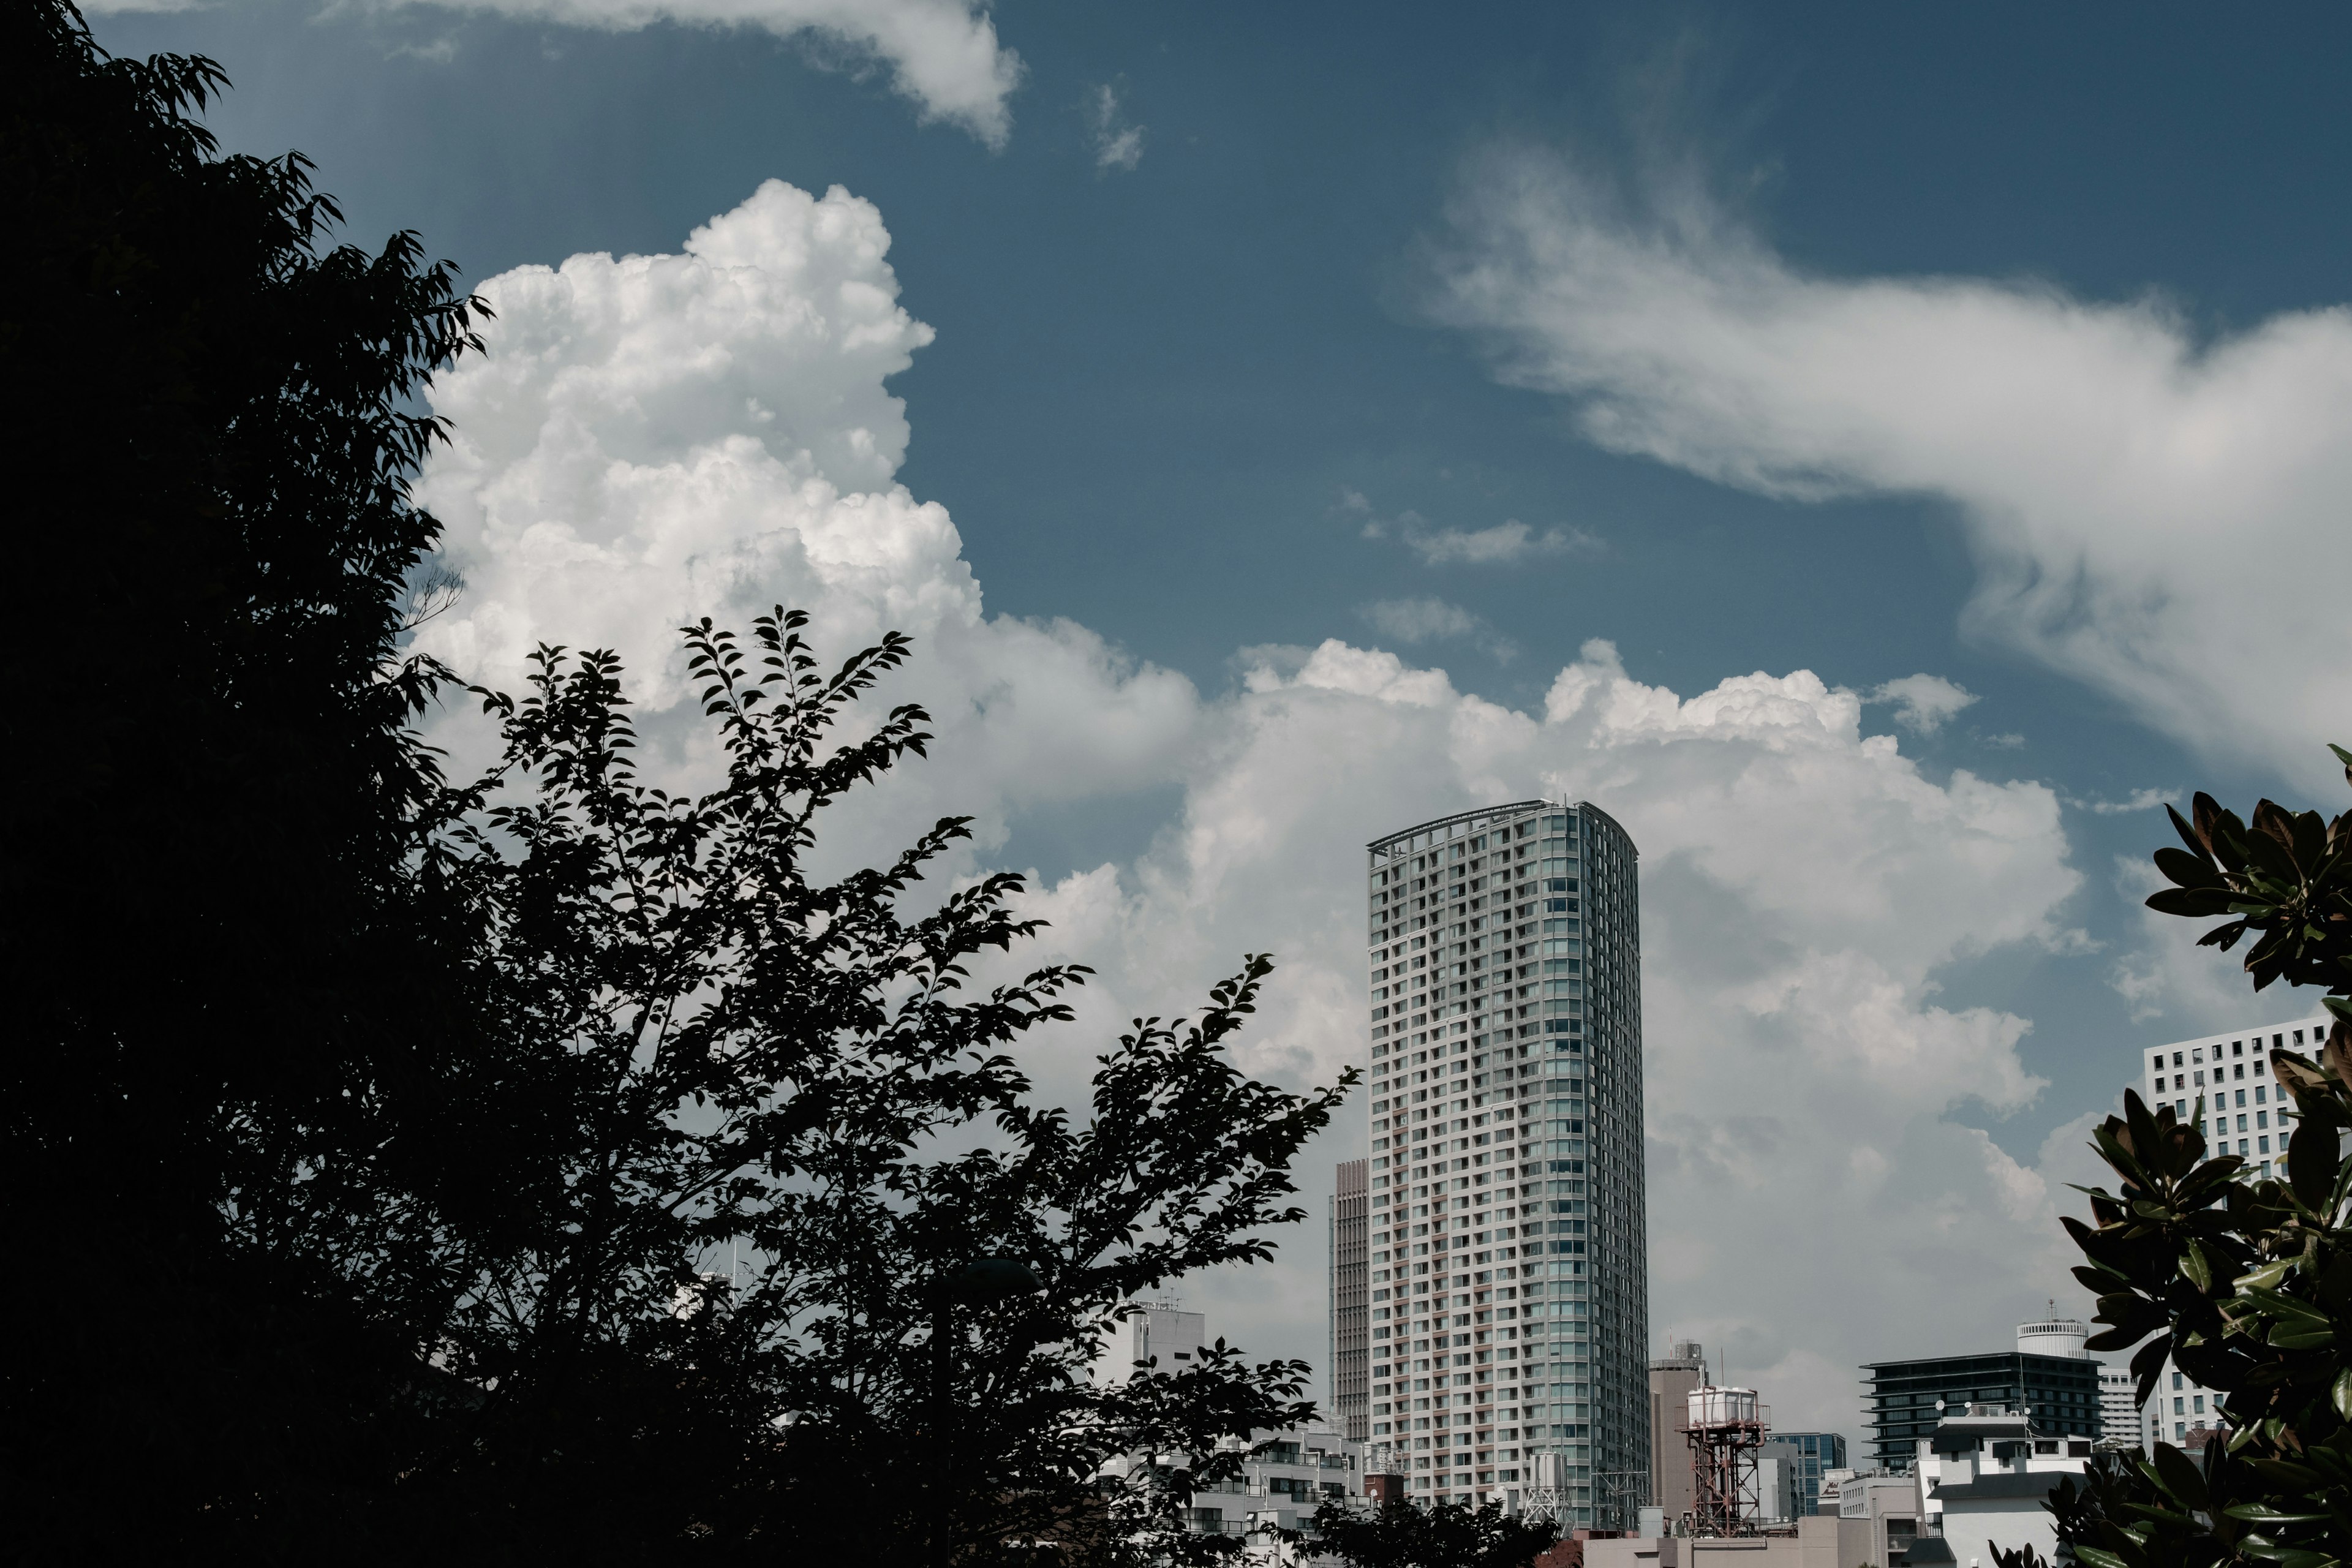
{"x":1506,"y":1274}
{"x":1672,"y":1377}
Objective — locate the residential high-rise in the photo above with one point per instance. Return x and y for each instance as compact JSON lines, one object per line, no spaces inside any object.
{"x":1507,"y":1266}
{"x":1349,"y":1406}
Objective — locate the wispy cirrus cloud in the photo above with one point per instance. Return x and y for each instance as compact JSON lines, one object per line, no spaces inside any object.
{"x":1420,"y":620}
{"x":1501,"y":545}
{"x":2134,"y":491}
{"x":1504,"y":544}
{"x":1118,"y":143}
{"x":943,"y":55}
{"x":2138,"y":800}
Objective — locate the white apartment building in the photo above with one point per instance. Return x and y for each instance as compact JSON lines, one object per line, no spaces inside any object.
{"x":1285,"y":1475}
{"x":1158,"y":1331}
{"x":2118,"y":1409}
{"x":2224,"y":1082}
{"x":1984,"y":1477}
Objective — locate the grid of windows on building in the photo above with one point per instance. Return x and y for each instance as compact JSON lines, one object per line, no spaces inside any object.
{"x":1506,"y":1269}
{"x":1906,"y":1398}
{"x":2224,"y":1082}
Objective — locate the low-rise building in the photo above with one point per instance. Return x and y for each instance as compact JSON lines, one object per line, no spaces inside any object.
{"x":2050,"y":1374}
{"x":1984,"y":1475}
{"x":1285,"y":1476}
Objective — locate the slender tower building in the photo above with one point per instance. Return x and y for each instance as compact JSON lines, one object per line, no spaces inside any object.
{"x":1504,"y":1264}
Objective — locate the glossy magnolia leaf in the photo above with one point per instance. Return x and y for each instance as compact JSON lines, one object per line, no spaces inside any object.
{"x":2195,"y":903}
{"x":2299,"y":1337}
{"x":2262,"y":1513}
{"x":2179,"y":1476}
{"x":2187,"y":870}
{"x":2311,"y":1159}
{"x":2193,"y":1266}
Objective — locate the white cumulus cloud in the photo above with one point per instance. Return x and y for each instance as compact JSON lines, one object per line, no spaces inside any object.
{"x":2148,"y":507}
{"x":1923,"y":702}
{"x":652,"y":439}
{"x":944,"y":55}
{"x":1802,"y":883}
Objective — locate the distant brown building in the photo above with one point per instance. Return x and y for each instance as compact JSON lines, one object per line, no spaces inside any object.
{"x":1350,"y":1311}
{"x":1672,"y":1378}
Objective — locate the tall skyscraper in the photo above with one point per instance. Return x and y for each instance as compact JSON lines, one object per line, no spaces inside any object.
{"x":1506,"y":1267}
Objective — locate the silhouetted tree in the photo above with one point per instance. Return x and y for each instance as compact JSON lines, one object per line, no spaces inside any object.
{"x":368,"y":1140}
{"x":735,"y":1061}
{"x":214,"y":965}
{"x":1442,"y":1534}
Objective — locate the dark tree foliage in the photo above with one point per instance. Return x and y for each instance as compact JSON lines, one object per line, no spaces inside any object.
{"x":2246,"y":1284}
{"x":206,"y":413}
{"x":1444,"y":1535}
{"x":742,"y":1068}
{"x":370,"y":1143}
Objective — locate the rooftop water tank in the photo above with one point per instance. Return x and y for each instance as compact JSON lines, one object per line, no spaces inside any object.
{"x":2055,"y":1336}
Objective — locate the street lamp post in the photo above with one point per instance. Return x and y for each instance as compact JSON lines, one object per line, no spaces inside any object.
{"x":980,"y":1283}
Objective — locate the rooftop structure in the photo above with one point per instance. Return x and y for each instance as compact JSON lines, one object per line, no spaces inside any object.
{"x":1159,"y":1333}
{"x":1724,"y":1429}
{"x":1984,"y":1475}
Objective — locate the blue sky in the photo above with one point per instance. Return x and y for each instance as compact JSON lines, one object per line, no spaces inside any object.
{"x":1728,"y":311}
